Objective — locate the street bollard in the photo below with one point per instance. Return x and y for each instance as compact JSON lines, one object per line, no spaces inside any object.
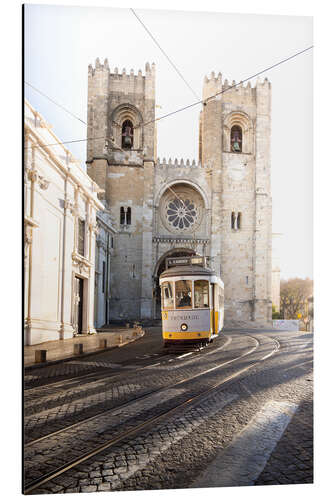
{"x":40,"y":356}
{"x":103,"y":343}
{"x":78,"y":349}
{"x":120,"y":339}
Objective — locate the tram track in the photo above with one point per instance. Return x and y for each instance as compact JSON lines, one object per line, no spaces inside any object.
{"x":96,"y":373}
{"x":193,"y":400}
{"x":40,"y":392}
{"x":121,"y":370}
{"x":140,"y":398}
{"x":48,"y":409}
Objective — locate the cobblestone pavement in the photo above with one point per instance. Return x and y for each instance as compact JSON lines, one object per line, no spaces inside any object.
{"x":176,"y":451}
{"x":48,"y":409}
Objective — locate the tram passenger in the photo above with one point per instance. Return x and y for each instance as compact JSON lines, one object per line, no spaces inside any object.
{"x":185,"y":300}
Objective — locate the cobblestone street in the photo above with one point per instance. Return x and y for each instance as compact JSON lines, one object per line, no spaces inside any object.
{"x":238,"y":412}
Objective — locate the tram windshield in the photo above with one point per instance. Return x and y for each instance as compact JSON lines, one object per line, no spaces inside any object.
{"x":201,"y":293}
{"x":183,"y":294}
{"x":167,"y":295}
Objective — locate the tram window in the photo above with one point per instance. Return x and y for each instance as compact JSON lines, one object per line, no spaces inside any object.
{"x":183,"y":294}
{"x":167,"y":295}
{"x":201,"y":293}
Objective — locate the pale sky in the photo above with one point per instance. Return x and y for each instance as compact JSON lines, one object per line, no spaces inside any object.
{"x":60,"y":42}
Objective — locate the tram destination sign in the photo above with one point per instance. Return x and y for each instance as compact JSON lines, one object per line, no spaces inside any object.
{"x":196,"y":260}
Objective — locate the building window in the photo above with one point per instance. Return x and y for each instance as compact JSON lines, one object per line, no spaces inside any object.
{"x":236,"y":139}
{"x":233,"y":220}
{"x":103,"y":278}
{"x":239,"y":218}
{"x":127,"y":135}
{"x":81,"y":239}
{"x":128,"y":216}
{"x":181,"y":214}
{"x":122,"y":215}
{"x":236,"y":219}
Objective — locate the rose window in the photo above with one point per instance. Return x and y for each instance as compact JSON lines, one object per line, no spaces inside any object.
{"x":181,"y":213}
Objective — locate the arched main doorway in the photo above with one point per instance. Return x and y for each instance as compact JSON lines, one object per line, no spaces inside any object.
{"x":160,"y":267}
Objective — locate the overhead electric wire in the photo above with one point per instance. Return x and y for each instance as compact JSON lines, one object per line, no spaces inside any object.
{"x":203,"y":101}
{"x":54,"y":102}
{"x":165,"y":54}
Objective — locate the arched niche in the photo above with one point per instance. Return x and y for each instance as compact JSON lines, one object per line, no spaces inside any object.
{"x":240,"y":122}
{"x":122,"y":116}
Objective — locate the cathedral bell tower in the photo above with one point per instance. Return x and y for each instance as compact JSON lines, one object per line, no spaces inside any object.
{"x":120,"y":159}
{"x":234,"y":141}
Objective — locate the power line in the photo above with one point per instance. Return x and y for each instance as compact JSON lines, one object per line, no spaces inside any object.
{"x":67,"y":111}
{"x":203,"y":101}
{"x":165,"y":54}
{"x":54,"y":102}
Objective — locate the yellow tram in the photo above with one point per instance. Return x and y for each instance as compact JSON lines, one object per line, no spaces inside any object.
{"x":192,"y":301}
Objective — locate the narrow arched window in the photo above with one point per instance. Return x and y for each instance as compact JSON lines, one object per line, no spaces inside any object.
{"x":128,"y":216}
{"x":122,"y":215}
{"x":127,"y":135}
{"x":233,"y":220}
{"x":239,"y":219}
{"x":236,"y":139}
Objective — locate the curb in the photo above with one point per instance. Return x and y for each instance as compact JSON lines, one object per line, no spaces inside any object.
{"x":35,"y":366}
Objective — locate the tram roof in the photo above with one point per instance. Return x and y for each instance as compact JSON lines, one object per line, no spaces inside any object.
{"x":187,"y":271}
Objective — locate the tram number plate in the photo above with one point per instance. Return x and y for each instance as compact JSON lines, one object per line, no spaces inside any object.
{"x":165,"y":315}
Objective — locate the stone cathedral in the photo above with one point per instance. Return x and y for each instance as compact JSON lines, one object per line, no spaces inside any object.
{"x":219,"y":206}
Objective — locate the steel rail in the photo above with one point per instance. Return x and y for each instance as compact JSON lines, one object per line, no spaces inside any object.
{"x":34,"y":484}
{"x":131,"y":401}
{"x":91,"y":374}
{"x":121,"y":370}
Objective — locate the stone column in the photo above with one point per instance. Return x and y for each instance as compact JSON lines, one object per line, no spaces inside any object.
{"x":263,"y":208}
{"x":147,"y":242}
{"x":93,"y":230}
{"x":66,"y":328}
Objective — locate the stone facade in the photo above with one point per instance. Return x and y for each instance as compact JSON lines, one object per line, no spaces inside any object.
{"x":219,"y":206}
{"x":60,"y":204}
{"x":276,"y":272}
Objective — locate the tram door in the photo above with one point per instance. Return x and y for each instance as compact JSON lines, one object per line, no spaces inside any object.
{"x":78,"y":304}
{"x":213,"y":287}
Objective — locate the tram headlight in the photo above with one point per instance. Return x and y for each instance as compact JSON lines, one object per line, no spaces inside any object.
{"x":183,"y":327}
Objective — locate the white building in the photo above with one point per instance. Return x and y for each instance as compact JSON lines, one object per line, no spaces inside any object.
{"x":60,"y":205}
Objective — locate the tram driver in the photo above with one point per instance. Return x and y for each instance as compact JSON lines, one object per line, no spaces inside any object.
{"x":185,"y":301}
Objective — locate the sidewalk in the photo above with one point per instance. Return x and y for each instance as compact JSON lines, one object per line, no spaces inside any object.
{"x":57,"y":350}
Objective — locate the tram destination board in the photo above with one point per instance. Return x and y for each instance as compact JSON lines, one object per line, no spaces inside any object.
{"x":186,"y":261}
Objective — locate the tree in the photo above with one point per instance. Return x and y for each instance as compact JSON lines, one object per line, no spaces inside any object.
{"x":294,"y":294}
{"x":276,"y":314}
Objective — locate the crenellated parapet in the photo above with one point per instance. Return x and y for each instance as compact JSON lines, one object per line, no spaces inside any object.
{"x":101,"y":80}
{"x":213,"y":85}
{"x":179,"y":163}
{"x":99,"y":67}
{"x":101,"y":76}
